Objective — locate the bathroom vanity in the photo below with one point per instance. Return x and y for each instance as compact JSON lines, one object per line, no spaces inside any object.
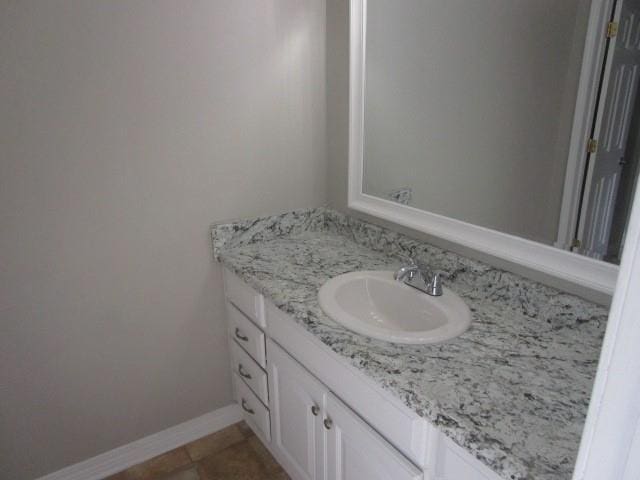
{"x":318,"y":416}
{"x":506,"y":399}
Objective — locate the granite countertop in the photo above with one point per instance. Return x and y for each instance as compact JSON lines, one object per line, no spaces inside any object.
{"x":513,"y":390}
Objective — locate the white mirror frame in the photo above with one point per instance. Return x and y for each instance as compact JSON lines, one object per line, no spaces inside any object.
{"x":578,"y":269}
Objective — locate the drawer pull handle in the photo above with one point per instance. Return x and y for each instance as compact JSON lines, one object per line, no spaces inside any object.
{"x":240,"y":336}
{"x":246,"y":408}
{"x":243,"y":373}
{"x":315,"y":410}
{"x":327,"y":423}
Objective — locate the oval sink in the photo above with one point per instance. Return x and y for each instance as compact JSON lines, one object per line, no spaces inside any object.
{"x":374,"y":304}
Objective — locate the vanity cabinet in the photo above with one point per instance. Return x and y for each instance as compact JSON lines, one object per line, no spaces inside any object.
{"x":298,"y":406}
{"x":320,"y":418}
{"x":314,"y":432}
{"x":355,"y":451}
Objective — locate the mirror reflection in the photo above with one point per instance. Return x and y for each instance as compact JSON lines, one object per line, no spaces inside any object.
{"x":469,"y":109}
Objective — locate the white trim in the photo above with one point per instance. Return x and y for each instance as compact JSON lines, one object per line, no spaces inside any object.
{"x":126,"y":456}
{"x":358,"y":37}
{"x":606,"y":450}
{"x":586,"y":100}
{"x":575,"y":268}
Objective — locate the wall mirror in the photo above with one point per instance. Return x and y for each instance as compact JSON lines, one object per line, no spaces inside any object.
{"x":511,"y":127}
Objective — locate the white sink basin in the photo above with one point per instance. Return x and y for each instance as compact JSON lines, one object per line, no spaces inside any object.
{"x":376,"y":305}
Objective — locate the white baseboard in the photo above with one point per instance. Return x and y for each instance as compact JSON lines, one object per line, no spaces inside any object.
{"x":123,"y":457}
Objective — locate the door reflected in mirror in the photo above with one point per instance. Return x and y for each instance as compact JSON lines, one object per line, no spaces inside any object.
{"x":471,"y":111}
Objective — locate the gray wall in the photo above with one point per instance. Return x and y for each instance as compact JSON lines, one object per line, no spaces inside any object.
{"x":338,"y":151}
{"x":127,"y":127}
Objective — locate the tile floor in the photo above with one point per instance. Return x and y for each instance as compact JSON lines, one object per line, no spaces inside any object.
{"x":234,"y":453}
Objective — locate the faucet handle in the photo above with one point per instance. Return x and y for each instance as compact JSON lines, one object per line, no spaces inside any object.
{"x":434,"y":284}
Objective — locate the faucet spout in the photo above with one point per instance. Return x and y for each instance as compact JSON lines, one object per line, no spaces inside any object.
{"x":420,"y":277}
{"x":408,"y":271}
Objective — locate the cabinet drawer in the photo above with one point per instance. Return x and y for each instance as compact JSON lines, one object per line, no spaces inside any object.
{"x":248,"y":336}
{"x":245,"y":298}
{"x":250,"y":372}
{"x":253,"y":411}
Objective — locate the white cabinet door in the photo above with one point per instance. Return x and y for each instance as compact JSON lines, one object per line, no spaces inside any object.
{"x":356,"y":452}
{"x":296,"y":400}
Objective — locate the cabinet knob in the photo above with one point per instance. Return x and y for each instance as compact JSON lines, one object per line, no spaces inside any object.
{"x":243,"y":373}
{"x":315,"y":410}
{"x":247,"y":408}
{"x":328,"y":423}
{"x":240,"y":336}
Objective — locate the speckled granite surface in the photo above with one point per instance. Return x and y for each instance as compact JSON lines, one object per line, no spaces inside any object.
{"x":513,"y":390}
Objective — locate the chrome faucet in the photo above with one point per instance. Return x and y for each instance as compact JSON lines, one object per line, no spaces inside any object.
{"x":420,"y":277}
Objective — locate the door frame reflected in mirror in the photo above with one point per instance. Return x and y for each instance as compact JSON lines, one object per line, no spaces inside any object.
{"x":563,"y":264}
{"x":606,"y":80}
